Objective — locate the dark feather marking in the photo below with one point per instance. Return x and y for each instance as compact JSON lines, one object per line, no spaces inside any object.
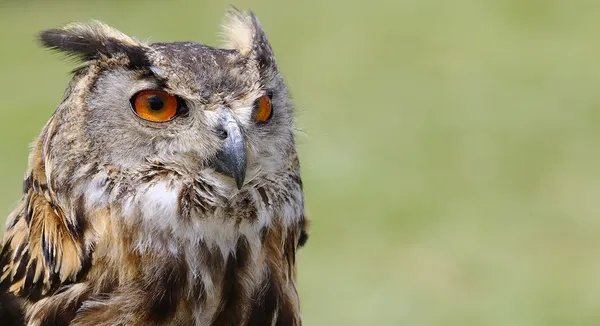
{"x":263,"y":233}
{"x":201,"y":186}
{"x":30,"y":274}
{"x":47,"y":250}
{"x":263,"y":195}
{"x":303,"y":234}
{"x":212,"y":258}
{"x":231,"y":312}
{"x":293,"y":262}
{"x":5,"y":253}
{"x":265,"y":307}
{"x":20,"y":249}
{"x":303,"y":238}
{"x":289,"y":252}
{"x":214,"y":261}
{"x":54,"y":282}
{"x":80,"y":220}
{"x":5,"y":257}
{"x":28,"y":210}
{"x":296,"y":178}
{"x":86,"y":263}
{"x":32,"y":288}
{"x":166,"y":295}
{"x":35,"y":292}
{"x":39,"y":187}
{"x":87,"y":45}
{"x":27,"y":184}
{"x":22,"y":268}
{"x":11,"y":310}
{"x":252,"y":213}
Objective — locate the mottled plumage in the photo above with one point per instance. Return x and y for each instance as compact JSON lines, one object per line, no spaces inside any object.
{"x":191,"y":221}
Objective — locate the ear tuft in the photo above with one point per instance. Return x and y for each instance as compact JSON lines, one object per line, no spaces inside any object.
{"x":243,"y":32}
{"x":239,"y":31}
{"x":93,"y":41}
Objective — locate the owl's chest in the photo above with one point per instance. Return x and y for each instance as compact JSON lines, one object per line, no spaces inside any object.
{"x":207,"y":253}
{"x":197,"y":260}
{"x":188,"y":282}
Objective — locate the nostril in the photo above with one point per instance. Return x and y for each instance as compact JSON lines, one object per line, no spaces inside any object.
{"x":222,"y":133}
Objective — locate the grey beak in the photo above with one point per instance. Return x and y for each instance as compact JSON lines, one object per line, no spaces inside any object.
{"x":231,"y":160}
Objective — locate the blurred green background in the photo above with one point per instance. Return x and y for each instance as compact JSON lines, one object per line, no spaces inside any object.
{"x":449,"y":148}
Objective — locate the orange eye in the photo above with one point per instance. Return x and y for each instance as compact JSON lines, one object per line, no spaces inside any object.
{"x":264,"y":110}
{"x":155,"y":105}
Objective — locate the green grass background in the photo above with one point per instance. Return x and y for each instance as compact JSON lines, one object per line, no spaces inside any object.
{"x":450,"y":149}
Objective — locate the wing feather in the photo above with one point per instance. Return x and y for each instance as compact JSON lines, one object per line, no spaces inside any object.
{"x":41,"y":250}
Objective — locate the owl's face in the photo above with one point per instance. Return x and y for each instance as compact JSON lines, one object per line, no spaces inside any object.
{"x":189,"y":107}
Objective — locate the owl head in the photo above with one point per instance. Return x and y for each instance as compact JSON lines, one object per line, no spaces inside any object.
{"x":204,"y":112}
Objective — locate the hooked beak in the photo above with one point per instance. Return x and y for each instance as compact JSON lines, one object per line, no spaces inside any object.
{"x":231,"y":159}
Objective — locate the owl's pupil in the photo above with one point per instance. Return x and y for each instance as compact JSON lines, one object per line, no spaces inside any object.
{"x":155,"y":102}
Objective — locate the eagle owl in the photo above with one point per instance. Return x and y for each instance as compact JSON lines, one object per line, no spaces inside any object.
{"x":164,"y":190}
